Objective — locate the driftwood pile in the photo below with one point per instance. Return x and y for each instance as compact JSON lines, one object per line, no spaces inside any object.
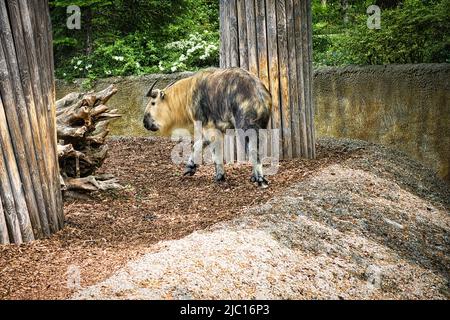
{"x":82,"y":126}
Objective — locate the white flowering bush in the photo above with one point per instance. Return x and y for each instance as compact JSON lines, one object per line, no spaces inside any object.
{"x":198,"y":50}
{"x":136,"y":55}
{"x":132,"y":55}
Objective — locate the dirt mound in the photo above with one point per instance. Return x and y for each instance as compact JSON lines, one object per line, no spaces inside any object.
{"x":373,"y":225}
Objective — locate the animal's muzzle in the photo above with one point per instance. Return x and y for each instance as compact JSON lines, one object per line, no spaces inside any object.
{"x":149,"y":124}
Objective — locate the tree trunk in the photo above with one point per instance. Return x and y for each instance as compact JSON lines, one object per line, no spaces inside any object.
{"x":344,"y":4}
{"x":88,"y":23}
{"x":30,"y":203}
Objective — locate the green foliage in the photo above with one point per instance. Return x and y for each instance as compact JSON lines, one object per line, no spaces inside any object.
{"x":414,"y":31}
{"x":132,"y":37}
{"x":119,"y":37}
{"x":134,"y":54}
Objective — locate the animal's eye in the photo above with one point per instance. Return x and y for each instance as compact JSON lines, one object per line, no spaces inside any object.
{"x":153,"y":103}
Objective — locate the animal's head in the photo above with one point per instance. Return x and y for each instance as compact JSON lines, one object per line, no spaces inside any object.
{"x":156,"y":110}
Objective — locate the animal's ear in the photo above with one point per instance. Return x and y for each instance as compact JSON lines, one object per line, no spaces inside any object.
{"x":162,"y":94}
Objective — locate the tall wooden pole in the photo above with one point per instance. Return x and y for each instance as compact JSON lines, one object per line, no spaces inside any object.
{"x":274,"y":41}
{"x":29,"y":187}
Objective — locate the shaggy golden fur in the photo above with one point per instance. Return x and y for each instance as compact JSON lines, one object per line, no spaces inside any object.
{"x":220,"y":98}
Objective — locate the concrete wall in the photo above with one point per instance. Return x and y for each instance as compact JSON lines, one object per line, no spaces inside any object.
{"x":406,"y":107}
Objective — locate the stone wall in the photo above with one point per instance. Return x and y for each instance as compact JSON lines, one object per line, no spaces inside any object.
{"x":406,"y":107}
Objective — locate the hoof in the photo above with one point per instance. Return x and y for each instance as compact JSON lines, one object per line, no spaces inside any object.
{"x":260,"y":181}
{"x":190,"y":170}
{"x":220,"y":177}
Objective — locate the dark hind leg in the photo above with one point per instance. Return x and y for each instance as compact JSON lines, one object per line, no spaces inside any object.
{"x":191,"y":165}
{"x":215,"y":138}
{"x":217,"y":154}
{"x":257,"y":173}
{"x":252,"y":148}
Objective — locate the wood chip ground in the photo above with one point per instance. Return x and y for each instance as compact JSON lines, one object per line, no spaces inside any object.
{"x":360,"y":221}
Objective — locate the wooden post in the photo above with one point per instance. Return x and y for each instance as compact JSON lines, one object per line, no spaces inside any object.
{"x":273,"y":64}
{"x":4,"y":235}
{"x":274,"y":40}
{"x":242,"y":29}
{"x":31,"y":203}
{"x":252,"y":50}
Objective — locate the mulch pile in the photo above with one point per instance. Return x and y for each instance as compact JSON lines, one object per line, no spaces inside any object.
{"x":373,"y":226}
{"x":157,"y":203}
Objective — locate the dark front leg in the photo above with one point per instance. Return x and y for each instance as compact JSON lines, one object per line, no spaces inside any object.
{"x":190,"y":169}
{"x":191,"y":165}
{"x":258,"y":177}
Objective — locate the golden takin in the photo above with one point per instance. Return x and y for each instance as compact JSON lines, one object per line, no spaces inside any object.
{"x":221,"y":99}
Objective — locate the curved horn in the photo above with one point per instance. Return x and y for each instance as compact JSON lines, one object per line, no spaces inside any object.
{"x":149,"y":93}
{"x":170,"y":84}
